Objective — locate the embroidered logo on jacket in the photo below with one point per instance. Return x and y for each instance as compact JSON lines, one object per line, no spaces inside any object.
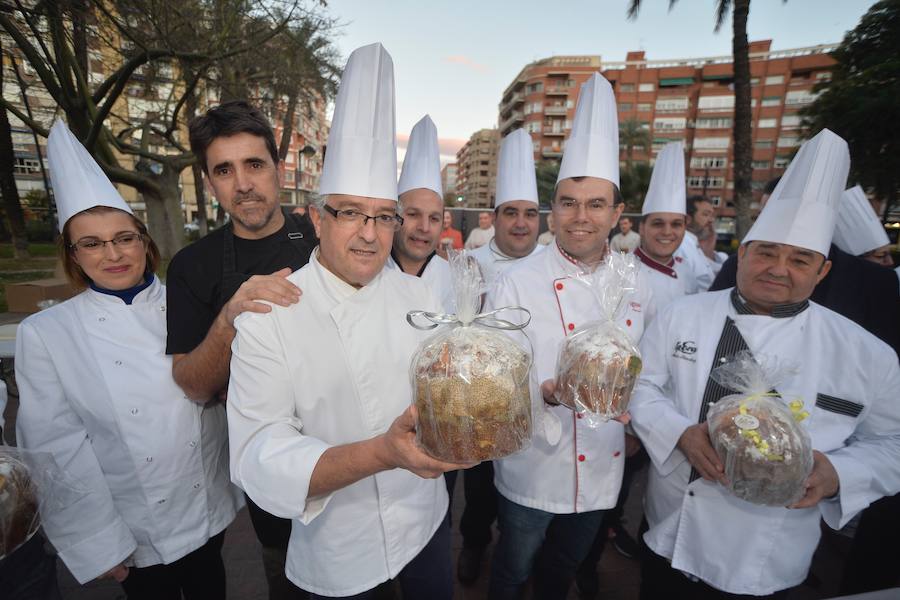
{"x":685,"y":350}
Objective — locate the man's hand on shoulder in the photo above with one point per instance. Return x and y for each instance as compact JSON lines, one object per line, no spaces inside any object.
{"x":274,"y":288}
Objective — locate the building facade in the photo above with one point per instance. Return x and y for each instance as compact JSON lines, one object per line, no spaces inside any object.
{"x":689,"y":100}
{"x":477,"y":169}
{"x":449,"y":174}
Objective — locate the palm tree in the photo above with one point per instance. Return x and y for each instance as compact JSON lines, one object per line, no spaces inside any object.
{"x":743,"y":195}
{"x":633,"y":134}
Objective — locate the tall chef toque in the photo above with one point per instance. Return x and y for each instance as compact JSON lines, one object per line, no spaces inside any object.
{"x":422,"y":163}
{"x":361,"y":159}
{"x":858,"y":229}
{"x":516,"y":178}
{"x":803,"y":208}
{"x":666,"y":193}
{"x":592,"y":149}
{"x":78,"y":181}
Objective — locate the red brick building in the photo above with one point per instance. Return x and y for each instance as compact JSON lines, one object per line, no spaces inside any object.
{"x":691,"y":100}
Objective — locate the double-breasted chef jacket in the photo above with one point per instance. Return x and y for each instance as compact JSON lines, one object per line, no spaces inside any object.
{"x":703,"y":270}
{"x":493,"y":262}
{"x":668,"y":281}
{"x":96,"y":391}
{"x":582,"y":470}
{"x":848,"y":381}
{"x":332,"y":370}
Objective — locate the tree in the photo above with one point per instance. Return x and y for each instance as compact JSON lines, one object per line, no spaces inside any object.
{"x":547,"y":171}
{"x":144,"y":40}
{"x":860,"y":102}
{"x":634,"y":183}
{"x":742,"y":136}
{"x":8,"y":190}
{"x":633,"y":134}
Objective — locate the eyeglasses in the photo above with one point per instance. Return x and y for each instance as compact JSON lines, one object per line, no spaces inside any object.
{"x":354,"y":218}
{"x":567,"y":207}
{"x":123,"y":241}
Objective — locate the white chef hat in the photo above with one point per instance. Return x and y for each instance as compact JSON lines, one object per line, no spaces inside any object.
{"x":803,"y":208}
{"x":361,"y":157}
{"x":422,"y":163}
{"x":592,"y":149}
{"x":78,"y":181}
{"x":666,"y":192}
{"x":516,"y":178}
{"x":858,"y":229}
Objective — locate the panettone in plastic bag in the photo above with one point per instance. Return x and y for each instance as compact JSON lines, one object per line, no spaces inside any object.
{"x":598,"y":364}
{"x":766,"y":451}
{"x":471,"y":381}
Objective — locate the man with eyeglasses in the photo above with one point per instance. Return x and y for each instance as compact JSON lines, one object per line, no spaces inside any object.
{"x":232,"y":270}
{"x":316,"y":388}
{"x":515,"y":237}
{"x":553,"y":495}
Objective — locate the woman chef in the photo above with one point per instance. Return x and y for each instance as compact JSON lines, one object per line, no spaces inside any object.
{"x":96,"y":392}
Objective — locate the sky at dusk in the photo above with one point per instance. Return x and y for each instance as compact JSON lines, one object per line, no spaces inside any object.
{"x":453,"y":60}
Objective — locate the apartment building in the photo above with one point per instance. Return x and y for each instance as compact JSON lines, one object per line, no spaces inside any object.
{"x":449,"y":174}
{"x":691,"y":100}
{"x":477,"y":169}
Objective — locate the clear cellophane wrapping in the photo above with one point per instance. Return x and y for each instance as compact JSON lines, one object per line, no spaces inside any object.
{"x":471,"y":382}
{"x":598,"y":364}
{"x":765,"y":449}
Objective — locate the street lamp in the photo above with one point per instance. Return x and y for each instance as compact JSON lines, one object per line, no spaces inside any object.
{"x":307,"y":150}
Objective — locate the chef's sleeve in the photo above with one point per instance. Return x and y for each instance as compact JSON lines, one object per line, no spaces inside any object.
{"x":868,"y":466}
{"x":271,"y":458}
{"x":654,"y":414}
{"x":89,"y":534}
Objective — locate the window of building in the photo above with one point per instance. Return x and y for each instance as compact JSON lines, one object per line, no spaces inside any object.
{"x":709,"y":162}
{"x":535,"y":87}
{"x":711,"y":143}
{"x":788,"y":141}
{"x":715,"y":200}
{"x":823,"y":76}
{"x":627,"y":87}
{"x":697,"y":181}
{"x":760,"y":164}
{"x":570,"y":103}
{"x":767,"y":123}
{"x":643,"y":107}
{"x":289,"y":176}
{"x":719,"y":123}
{"x":625,"y":106}
{"x":716,"y":103}
{"x":771,"y":101}
{"x":790,"y":121}
{"x":669,"y":123}
{"x":799,"y":97}
{"x":646,"y":87}
{"x":774,"y":79}
{"x":762,"y":144}
{"x":754,"y":81}
{"x":671,"y":104}
{"x":27,"y":166}
{"x":758,"y":185}
{"x":644,"y":124}
{"x":781,"y":162}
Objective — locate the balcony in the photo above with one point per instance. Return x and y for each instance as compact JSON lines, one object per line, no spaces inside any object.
{"x":556,"y":110}
{"x":551,"y":152}
{"x":554,"y":132}
{"x":513,"y":119}
{"x":557,"y":91}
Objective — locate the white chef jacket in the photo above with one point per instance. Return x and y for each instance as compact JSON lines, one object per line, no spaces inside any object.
{"x":583,"y":470}
{"x":437,"y":276}
{"x":96,"y":391}
{"x":848,"y":380}
{"x":493,"y":262}
{"x":696,"y":261}
{"x":669,"y":282}
{"x":332,"y":370}
{"x":479,"y":237}
{"x":625,"y":242}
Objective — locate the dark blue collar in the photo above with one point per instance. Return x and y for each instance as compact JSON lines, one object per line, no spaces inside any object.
{"x":126,"y":296}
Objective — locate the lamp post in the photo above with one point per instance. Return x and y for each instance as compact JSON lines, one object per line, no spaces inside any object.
{"x":307,"y":150}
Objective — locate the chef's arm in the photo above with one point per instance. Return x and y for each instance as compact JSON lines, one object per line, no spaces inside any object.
{"x":868,"y":467}
{"x":203,"y":372}
{"x":84,"y":525}
{"x":654,"y":416}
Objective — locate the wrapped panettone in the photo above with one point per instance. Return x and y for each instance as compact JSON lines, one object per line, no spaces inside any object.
{"x":598,"y":364}
{"x":471,"y":381}
{"x":19,"y":518}
{"x":765,"y":449}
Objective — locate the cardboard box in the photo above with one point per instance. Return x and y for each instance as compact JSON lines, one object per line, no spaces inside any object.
{"x":24,"y":297}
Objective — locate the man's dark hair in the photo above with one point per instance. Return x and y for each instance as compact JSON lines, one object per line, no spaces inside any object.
{"x":617,"y":195}
{"x":226,"y":120}
{"x":692,"y":204}
{"x":770,"y":186}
